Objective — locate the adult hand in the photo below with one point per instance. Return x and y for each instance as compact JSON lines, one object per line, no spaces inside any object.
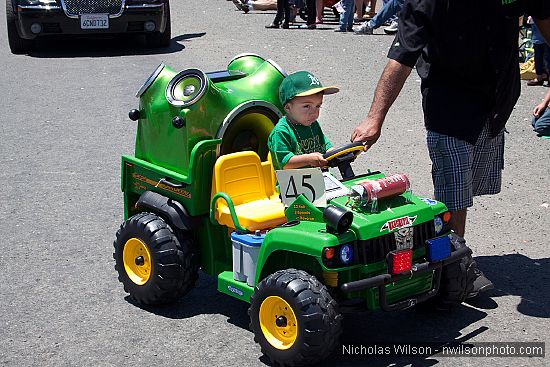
{"x":367,"y":132}
{"x":539,"y":109}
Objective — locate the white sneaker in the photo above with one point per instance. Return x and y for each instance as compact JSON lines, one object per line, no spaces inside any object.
{"x":392,"y":28}
{"x":363,"y":29}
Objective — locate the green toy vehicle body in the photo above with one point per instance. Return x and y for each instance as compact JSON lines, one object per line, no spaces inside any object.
{"x":299,"y":268}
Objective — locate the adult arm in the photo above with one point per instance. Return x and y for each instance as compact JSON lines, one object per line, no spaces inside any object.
{"x":389,"y":86}
{"x":539,"y":109}
{"x":415,"y":29}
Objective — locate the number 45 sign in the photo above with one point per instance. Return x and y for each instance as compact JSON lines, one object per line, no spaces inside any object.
{"x":306,"y":181}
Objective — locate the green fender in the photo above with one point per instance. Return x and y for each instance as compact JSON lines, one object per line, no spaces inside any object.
{"x":299,"y":246}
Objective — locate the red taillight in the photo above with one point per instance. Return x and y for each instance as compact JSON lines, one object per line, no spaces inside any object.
{"x":446,"y":217}
{"x":329,"y":253}
{"x":400,"y":261}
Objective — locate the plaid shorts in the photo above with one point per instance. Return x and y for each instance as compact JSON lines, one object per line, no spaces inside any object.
{"x":461,"y":170}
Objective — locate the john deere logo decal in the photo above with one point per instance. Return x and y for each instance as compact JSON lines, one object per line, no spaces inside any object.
{"x":235,"y":290}
{"x":398,"y":223}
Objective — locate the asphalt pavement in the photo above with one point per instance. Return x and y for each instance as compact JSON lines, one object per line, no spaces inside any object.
{"x":64,"y":127}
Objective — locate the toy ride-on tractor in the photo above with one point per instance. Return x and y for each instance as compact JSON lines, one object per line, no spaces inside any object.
{"x":200,"y":192}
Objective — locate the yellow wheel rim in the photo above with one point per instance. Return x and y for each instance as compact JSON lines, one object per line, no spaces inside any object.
{"x":278,"y":322}
{"x":137,"y":261}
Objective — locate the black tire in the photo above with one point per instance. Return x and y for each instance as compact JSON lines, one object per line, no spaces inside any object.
{"x":316,"y":314}
{"x":171,"y":264}
{"x":161,"y":39}
{"x":17,"y":44}
{"x":457,"y":281}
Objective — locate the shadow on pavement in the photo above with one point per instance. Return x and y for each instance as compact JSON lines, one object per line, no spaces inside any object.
{"x":121,"y":45}
{"x":203,"y":299}
{"x":409,"y":326}
{"x":519,"y":275}
{"x":513,"y":274}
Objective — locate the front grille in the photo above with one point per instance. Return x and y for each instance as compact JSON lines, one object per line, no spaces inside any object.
{"x":77,"y":7}
{"x":376,"y":249}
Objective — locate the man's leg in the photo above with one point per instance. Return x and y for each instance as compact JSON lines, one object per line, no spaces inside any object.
{"x":311,"y":12}
{"x":458,"y":221}
{"x":388,"y":11}
{"x":539,"y":65}
{"x":319,"y":10}
{"x":359,"y":9}
{"x":279,"y":16}
{"x":453,"y":174}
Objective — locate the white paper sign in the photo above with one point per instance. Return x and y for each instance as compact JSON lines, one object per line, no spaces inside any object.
{"x":306,"y":181}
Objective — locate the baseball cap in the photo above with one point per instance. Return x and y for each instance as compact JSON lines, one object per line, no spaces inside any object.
{"x":302,"y":83}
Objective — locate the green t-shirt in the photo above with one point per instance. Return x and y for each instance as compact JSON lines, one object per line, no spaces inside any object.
{"x":287,"y":139}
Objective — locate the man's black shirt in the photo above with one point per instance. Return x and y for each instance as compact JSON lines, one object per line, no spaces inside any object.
{"x":466,"y":53}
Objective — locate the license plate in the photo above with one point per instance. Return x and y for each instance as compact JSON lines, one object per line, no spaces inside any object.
{"x":94,"y":21}
{"x":404,"y":238}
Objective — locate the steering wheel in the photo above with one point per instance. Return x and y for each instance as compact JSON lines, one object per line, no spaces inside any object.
{"x":343,"y":154}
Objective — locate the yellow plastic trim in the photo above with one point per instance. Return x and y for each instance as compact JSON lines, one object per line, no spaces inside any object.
{"x":133,"y":249}
{"x":229,"y":202}
{"x":280,"y":337}
{"x":331,"y":278}
{"x":357,"y":149}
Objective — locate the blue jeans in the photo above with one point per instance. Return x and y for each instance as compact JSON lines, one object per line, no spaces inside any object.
{"x":389,"y":11}
{"x":393,"y":17}
{"x":346,"y":17}
{"x":541,"y":125}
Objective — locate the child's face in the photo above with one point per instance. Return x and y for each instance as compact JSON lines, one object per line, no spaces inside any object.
{"x":304,"y":110}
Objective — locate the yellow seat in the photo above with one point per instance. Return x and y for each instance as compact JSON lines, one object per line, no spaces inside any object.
{"x":270,"y":178}
{"x":243,"y":177}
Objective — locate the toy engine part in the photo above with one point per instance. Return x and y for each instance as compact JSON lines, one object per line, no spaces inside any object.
{"x":373,"y":190}
{"x":338,"y":219}
{"x":246,"y":248}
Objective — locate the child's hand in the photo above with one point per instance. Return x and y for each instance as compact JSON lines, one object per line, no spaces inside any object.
{"x":316,"y":160}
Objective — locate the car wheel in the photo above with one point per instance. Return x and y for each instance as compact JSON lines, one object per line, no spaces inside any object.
{"x":161,"y":39}
{"x":17,"y":44}
{"x":153,"y":264}
{"x":294,"y":318}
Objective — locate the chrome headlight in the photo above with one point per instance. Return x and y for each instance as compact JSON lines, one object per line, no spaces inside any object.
{"x":37,"y":2}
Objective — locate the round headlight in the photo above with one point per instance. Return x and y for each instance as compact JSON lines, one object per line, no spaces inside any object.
{"x":186,"y":88}
{"x":438,"y":223}
{"x":346,"y":254}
